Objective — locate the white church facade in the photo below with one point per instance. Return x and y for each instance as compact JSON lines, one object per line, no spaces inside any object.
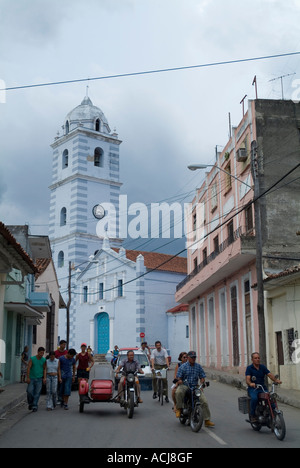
{"x":120,"y":294}
{"x":123,"y":297}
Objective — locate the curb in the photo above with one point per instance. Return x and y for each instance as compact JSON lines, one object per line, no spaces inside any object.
{"x":239,"y":382}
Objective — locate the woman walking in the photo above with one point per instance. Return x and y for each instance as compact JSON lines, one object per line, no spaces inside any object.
{"x":52,"y":375}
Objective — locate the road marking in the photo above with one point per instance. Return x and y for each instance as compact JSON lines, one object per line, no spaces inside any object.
{"x":214,"y":436}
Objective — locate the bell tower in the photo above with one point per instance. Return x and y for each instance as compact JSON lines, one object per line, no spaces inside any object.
{"x":85,"y":175}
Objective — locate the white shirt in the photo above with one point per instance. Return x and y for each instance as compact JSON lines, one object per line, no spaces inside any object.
{"x":160,"y":356}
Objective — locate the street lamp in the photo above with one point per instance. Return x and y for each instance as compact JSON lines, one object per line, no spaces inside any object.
{"x":196,"y":167}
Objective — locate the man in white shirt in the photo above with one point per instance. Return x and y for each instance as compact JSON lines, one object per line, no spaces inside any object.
{"x":145,"y":349}
{"x":159,"y":360}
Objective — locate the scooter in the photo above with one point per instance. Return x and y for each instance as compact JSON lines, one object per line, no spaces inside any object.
{"x":267,"y":412}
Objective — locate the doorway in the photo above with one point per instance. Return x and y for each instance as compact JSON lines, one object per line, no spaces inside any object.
{"x":102,"y":333}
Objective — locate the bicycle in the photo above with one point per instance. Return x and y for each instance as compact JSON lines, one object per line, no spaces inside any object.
{"x":160,"y":375}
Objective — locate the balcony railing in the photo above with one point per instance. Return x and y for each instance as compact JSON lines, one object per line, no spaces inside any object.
{"x":39,"y":300}
{"x":221,"y":247}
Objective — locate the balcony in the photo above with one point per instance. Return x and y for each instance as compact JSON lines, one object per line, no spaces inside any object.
{"x":234,"y":253}
{"x":40,"y":301}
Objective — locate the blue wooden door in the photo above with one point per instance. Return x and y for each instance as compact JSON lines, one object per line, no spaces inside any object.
{"x":103,"y":333}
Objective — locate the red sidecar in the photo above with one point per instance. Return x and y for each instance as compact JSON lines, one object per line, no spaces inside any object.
{"x":99,"y":388}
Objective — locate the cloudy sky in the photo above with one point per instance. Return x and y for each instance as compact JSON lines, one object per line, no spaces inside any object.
{"x":165,"y":120}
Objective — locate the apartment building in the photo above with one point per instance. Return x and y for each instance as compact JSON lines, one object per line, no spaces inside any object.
{"x":241,"y":228}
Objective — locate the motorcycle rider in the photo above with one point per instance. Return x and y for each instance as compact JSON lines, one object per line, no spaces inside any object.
{"x":130,"y":365}
{"x":191,"y":372}
{"x":255,"y":375}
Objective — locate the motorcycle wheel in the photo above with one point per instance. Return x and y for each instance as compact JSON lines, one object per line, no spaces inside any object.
{"x":130,"y":405}
{"x":279,"y":426}
{"x":256,"y":426}
{"x":196,"y":419}
{"x":183,"y":420}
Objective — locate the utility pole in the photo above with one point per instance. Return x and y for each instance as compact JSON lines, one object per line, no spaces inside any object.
{"x":69,"y":305}
{"x":259,"y":264}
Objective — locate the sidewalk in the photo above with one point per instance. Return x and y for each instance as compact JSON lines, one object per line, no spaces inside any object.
{"x":11,"y":396}
{"x":289,"y":397}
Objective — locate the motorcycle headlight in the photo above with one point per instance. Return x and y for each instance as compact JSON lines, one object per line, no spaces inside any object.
{"x":198,"y":392}
{"x":130,"y":378}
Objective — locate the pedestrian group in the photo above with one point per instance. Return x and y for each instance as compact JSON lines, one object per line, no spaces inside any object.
{"x":57,"y":373}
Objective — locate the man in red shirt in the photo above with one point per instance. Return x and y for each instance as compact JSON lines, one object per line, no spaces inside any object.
{"x":61,"y":350}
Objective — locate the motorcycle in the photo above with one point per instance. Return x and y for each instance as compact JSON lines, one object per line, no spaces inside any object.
{"x":130,"y":400}
{"x":267,"y":412}
{"x":192,"y":412}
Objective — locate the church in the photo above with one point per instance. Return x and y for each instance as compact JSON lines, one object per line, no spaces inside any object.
{"x":116,"y":296}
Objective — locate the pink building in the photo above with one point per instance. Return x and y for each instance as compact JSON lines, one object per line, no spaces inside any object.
{"x":222,"y":259}
{"x":242,"y":228}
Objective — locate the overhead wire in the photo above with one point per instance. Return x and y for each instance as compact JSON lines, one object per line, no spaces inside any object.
{"x":151,"y":72}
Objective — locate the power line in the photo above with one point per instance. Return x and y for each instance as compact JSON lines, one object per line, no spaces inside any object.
{"x":151,"y":72}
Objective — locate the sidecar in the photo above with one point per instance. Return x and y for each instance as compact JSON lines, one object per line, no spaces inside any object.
{"x":99,"y":388}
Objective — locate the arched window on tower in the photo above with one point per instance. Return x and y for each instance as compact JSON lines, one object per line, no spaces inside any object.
{"x":63,"y":216}
{"x":97,"y":125}
{"x":67,"y":127}
{"x":98,"y":157}
{"x":65,"y":159}
{"x":61,"y":259}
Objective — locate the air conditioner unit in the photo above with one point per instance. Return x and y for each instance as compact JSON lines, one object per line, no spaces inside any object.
{"x":241,"y":155}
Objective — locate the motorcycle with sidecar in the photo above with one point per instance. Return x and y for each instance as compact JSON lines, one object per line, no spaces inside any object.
{"x":100,"y":389}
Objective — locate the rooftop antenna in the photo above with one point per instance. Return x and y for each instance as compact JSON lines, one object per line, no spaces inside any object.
{"x":243,"y":102}
{"x":281,"y":78}
{"x":255,"y":82}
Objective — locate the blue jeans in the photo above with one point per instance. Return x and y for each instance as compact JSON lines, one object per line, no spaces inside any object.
{"x":253,"y":394}
{"x":66,"y":386}
{"x":51,"y":391}
{"x":33,"y":392}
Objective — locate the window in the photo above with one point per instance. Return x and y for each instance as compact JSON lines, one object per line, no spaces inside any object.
{"x":120,"y":288}
{"x":85,"y":294}
{"x":204,"y":256}
{"x":235,"y":327}
{"x":230,"y":232}
{"x":195,"y":221}
{"x":187,"y":331}
{"x":228,"y":179}
{"x":101,"y":291}
{"x":97,"y":125}
{"x":290,"y":336}
{"x":61,"y":259}
{"x":214,"y":197}
{"x":67,"y":127}
{"x":63,"y":217}
{"x":98,"y":157}
{"x":65,"y":159}
{"x":249,"y":218}
{"x":216,"y":244}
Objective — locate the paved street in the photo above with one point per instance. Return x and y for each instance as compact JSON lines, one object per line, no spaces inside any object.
{"x":105,"y":425}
